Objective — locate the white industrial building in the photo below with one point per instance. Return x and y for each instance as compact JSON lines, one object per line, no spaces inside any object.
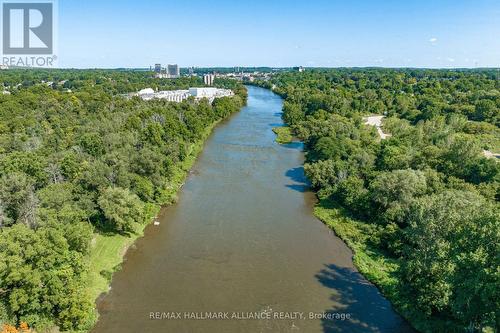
{"x":146,"y":94}
{"x":181,"y":95}
{"x":173,"y":95}
{"x":210,"y":92}
{"x":146,"y":91}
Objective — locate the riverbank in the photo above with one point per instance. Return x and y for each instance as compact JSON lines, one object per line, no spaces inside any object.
{"x":108,"y":251}
{"x":355,"y":176}
{"x":243,"y":237}
{"x":370,"y":261}
{"x":373,"y":263}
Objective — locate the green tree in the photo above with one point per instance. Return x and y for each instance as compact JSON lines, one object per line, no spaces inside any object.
{"x":33,"y":258}
{"x":395,"y":191}
{"x":451,"y":260}
{"x":120,"y":208}
{"x":486,"y":110}
{"x":17,"y":200}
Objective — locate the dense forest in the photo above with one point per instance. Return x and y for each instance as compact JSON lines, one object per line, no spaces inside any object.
{"x":419,"y":208}
{"x":81,"y":164}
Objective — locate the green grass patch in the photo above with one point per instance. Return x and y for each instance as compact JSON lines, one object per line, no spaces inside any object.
{"x":283,"y":135}
{"x":105,"y":258}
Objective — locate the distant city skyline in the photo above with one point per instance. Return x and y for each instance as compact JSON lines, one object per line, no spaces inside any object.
{"x":314,"y":33}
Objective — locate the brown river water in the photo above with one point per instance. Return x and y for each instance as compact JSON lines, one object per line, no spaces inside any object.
{"x":242,"y":242}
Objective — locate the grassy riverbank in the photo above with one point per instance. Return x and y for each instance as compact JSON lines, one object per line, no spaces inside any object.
{"x":108,"y":251}
{"x":372,"y":262}
{"x":378,"y":267}
{"x":98,"y":170}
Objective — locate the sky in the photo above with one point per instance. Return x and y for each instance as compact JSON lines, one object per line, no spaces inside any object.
{"x":278,"y":33}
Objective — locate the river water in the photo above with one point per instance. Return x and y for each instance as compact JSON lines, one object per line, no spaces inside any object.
{"x":242,"y":240}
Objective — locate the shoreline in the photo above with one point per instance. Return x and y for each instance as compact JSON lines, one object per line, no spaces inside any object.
{"x":377,"y":268}
{"x":131,"y":291}
{"x":113,"y":248}
{"x":371,"y":262}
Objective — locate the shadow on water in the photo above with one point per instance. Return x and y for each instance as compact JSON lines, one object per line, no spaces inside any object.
{"x":297,"y":175}
{"x":355,"y":295}
{"x":298,"y":188}
{"x":296,"y":145}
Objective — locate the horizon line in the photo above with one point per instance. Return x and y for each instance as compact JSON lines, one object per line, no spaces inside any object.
{"x":263,"y":66}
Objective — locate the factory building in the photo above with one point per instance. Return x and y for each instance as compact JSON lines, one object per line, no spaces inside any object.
{"x":210,"y":93}
{"x":173,"y":95}
{"x":181,"y":95}
{"x":146,"y":94}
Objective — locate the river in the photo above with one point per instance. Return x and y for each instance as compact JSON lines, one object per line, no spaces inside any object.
{"x":242,"y":241}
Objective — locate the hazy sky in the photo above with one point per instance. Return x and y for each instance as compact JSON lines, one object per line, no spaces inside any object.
{"x":399,"y":33}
